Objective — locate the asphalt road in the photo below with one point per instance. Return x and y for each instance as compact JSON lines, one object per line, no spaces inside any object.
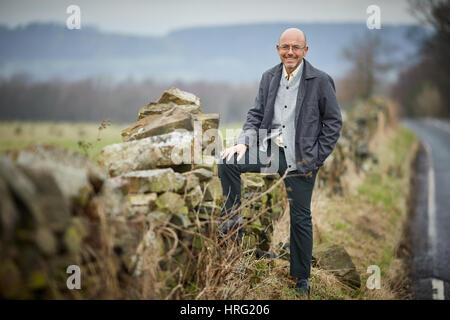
{"x":430,"y":227}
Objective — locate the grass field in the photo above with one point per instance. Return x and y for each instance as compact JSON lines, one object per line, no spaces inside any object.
{"x":75,"y":136}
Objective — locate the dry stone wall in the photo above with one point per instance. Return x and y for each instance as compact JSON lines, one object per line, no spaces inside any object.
{"x":149,"y":197}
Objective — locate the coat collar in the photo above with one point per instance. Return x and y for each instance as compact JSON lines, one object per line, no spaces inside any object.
{"x":309,"y":71}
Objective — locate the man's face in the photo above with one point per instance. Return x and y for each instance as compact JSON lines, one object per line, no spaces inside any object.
{"x":291,"y":49}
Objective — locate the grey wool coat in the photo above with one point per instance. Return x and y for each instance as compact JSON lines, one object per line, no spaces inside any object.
{"x":318,"y":119}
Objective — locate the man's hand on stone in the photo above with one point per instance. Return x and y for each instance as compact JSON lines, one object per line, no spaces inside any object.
{"x":239,"y":149}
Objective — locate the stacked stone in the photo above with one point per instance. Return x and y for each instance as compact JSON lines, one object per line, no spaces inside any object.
{"x":359,"y":127}
{"x":263,"y":210}
{"x":166,"y":168}
{"x":48,"y":213}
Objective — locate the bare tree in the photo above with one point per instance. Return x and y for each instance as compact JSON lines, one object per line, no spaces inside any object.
{"x":433,"y":12}
{"x":424,"y":88}
{"x":368,"y":64}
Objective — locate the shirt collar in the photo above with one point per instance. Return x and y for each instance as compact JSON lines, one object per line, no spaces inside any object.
{"x":293,"y":73}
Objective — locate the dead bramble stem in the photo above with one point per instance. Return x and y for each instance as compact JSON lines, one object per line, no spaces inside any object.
{"x":87,"y":147}
{"x":247,"y":203}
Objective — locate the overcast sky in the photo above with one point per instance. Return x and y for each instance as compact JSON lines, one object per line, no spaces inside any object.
{"x":157,"y":17}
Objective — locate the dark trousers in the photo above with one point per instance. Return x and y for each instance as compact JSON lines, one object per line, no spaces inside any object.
{"x":299,"y":191}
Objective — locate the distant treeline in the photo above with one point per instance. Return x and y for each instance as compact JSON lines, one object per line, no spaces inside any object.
{"x":97,"y":99}
{"x":423,"y":89}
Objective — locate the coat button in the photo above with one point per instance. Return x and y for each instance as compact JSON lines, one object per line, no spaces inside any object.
{"x":289,"y":166}
{"x":284,"y":126}
{"x":285,"y":147}
{"x":287,"y":87}
{"x":285,"y":106}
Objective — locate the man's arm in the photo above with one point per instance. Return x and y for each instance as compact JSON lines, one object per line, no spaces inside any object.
{"x":331,"y":119}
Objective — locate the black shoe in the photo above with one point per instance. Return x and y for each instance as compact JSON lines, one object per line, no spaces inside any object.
{"x":302,"y":287}
{"x":265,"y":254}
{"x":233,"y":225}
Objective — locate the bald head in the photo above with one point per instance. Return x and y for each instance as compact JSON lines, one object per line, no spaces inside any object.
{"x":293,"y":34}
{"x":292,"y":48}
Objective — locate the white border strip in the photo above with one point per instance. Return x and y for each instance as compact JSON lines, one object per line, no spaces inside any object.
{"x":431,"y":200}
{"x":437,"y":285}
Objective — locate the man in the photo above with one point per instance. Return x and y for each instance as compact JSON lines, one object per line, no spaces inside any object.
{"x":297,"y":106}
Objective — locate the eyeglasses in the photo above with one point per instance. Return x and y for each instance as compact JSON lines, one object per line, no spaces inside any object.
{"x":294,"y":48}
